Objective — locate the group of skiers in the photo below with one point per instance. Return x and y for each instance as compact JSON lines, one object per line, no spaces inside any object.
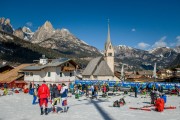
{"x":93,"y":89}
{"x":54,"y":94}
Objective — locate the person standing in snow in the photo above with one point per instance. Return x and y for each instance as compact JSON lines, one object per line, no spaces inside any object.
{"x":136,"y":90}
{"x":43,"y":94}
{"x":59,"y":87}
{"x":34,"y":95}
{"x":64,"y":95}
{"x":55,"y":98}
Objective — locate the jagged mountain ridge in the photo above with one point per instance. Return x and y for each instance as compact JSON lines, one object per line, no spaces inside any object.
{"x":63,"y":41}
{"x":176,"y":62}
{"x":16,"y":50}
{"x":139,"y":59}
{"x":5,"y":25}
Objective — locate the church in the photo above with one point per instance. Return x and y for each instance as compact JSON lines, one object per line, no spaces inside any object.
{"x":102,"y":68}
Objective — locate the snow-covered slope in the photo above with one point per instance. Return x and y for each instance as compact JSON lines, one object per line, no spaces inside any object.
{"x":19,"y":107}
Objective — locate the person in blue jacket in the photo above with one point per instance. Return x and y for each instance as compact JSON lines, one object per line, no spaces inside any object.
{"x":136,"y":90}
{"x":64,"y":95}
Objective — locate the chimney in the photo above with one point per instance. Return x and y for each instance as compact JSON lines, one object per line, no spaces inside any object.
{"x":43,"y":60}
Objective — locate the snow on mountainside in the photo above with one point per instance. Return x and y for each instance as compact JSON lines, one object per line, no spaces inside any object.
{"x":23,"y":33}
{"x":163,"y":52}
{"x":137,"y":58}
{"x":177,"y":49}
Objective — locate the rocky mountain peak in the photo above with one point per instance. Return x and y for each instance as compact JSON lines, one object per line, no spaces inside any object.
{"x":48,"y":26}
{"x":44,"y":32}
{"x":65,"y":32}
{"x":26,"y":29}
{"x":23,"y":33}
{"x":177,"y":49}
{"x":19,"y":33}
{"x":5,"y":25}
{"x":7,"y":22}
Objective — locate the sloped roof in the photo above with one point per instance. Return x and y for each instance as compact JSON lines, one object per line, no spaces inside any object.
{"x":12,"y":74}
{"x":91,"y":66}
{"x":53,"y":63}
{"x":1,"y":66}
{"x":132,"y":76}
{"x":145,"y":72}
{"x":103,"y":69}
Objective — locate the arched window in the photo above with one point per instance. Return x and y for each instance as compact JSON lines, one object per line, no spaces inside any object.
{"x":109,"y":54}
{"x":110,"y":47}
{"x":60,"y":74}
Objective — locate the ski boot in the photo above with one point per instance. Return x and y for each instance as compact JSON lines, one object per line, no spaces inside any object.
{"x":46,"y":112}
{"x":42,"y":111}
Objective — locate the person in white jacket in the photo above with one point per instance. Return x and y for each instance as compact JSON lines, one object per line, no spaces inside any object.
{"x":64,"y":95}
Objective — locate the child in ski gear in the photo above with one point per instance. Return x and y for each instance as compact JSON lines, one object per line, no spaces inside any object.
{"x":34,"y":95}
{"x":64,"y":95}
{"x":43,"y":94}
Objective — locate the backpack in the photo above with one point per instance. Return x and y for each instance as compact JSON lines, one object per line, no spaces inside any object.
{"x":116,"y":104}
{"x":159,"y":104}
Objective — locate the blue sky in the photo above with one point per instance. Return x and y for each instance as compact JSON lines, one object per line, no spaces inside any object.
{"x":143,"y":24}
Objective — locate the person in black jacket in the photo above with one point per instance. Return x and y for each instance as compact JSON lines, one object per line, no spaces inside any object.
{"x":55,"y":98}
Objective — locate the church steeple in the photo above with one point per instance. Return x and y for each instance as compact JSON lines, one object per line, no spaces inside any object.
{"x":108,"y":41}
{"x":109,"y":50}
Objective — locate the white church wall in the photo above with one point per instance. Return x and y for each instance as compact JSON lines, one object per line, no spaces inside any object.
{"x":105,"y":78}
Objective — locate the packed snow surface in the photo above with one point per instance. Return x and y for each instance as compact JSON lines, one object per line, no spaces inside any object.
{"x":19,"y":107}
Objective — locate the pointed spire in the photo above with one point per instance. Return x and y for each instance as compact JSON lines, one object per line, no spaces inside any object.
{"x":108,"y":36}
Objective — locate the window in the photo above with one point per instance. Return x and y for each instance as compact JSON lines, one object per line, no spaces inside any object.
{"x":109,"y":54}
{"x":109,"y":47}
{"x":67,"y":64}
{"x":60,"y":74}
{"x":49,"y":74}
{"x":70,"y":74}
{"x":31,"y":73}
{"x":27,"y":73}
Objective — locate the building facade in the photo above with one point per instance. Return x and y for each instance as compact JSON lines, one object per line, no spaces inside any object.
{"x":56,"y":71}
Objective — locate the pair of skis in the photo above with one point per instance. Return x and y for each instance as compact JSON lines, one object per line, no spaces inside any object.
{"x":145,"y":108}
{"x":141,"y":108}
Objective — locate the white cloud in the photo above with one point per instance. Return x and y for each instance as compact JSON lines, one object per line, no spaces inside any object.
{"x":178,"y":40}
{"x":160,"y":43}
{"x":143,"y":45}
{"x":172,"y":44}
{"x":133,"y":30}
{"x":29,"y":24}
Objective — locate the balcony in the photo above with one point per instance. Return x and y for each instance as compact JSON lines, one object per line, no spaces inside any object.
{"x":65,"y":68}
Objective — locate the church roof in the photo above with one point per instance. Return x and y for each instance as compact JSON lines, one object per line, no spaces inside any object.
{"x":103,"y":69}
{"x":99,"y":67}
{"x":91,"y":66}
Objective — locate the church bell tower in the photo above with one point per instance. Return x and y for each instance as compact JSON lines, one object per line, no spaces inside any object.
{"x":109,"y":51}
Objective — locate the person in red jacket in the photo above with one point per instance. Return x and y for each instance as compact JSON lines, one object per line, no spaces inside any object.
{"x":43,"y":94}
